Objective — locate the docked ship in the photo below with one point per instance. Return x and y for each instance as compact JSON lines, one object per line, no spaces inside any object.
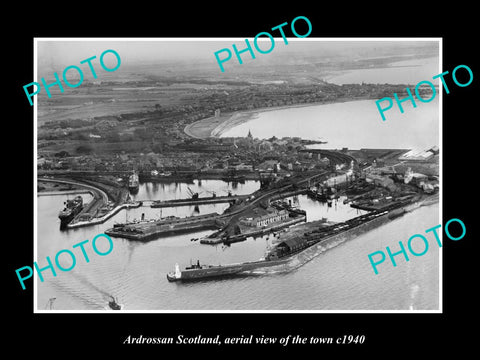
{"x":133,"y":182}
{"x":71,"y":209}
{"x":299,"y":244}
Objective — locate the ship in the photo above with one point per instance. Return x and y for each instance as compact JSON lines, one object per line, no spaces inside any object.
{"x":71,"y":209}
{"x":133,"y":182}
{"x":113,"y":304}
{"x":300,"y":245}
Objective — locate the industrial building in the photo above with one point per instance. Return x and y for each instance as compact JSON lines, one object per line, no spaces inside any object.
{"x":417,"y":155}
{"x":379,"y":180}
{"x":272,"y":216}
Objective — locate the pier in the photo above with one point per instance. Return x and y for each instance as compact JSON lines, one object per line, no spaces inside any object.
{"x":98,"y":210}
{"x":198,"y":201}
{"x":255,"y":233}
{"x":150,"y":229}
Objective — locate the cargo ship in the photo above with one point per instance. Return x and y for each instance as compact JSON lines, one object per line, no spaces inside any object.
{"x":71,"y":209}
{"x":133,"y":182}
{"x":297,"y":245}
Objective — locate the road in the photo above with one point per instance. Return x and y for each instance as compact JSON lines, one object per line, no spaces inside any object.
{"x":94,"y":189}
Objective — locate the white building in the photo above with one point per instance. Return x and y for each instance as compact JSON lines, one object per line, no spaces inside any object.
{"x":265,"y":220}
{"x":416,"y":155}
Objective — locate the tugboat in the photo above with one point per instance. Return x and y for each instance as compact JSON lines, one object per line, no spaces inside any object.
{"x":133,"y":182}
{"x":72,"y":208}
{"x":114,"y":305}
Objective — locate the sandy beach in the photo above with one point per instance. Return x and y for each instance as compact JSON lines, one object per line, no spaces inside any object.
{"x":216,"y":126}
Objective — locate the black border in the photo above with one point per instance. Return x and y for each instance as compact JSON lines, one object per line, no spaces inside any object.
{"x":385,"y":333}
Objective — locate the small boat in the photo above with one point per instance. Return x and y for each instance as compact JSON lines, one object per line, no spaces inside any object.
{"x":114,"y":305}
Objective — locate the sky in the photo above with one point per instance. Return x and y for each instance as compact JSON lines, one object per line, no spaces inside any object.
{"x":67,"y":52}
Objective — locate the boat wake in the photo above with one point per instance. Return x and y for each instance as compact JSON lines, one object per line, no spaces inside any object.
{"x":413,"y":295}
{"x":89,"y":284}
{"x":106,"y":298}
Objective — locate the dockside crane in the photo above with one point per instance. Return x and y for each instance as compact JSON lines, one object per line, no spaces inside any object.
{"x":214,"y":194}
{"x":193,"y":195}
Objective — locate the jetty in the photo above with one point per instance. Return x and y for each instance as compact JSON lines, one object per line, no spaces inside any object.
{"x":149,"y":229}
{"x":198,"y":201}
{"x":229,"y":239}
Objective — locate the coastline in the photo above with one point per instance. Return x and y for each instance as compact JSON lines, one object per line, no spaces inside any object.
{"x":216,"y":126}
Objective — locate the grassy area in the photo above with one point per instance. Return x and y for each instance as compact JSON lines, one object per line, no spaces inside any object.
{"x":46,"y":186}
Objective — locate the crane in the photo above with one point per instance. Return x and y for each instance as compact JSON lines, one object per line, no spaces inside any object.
{"x":214,"y":194}
{"x":194,"y":195}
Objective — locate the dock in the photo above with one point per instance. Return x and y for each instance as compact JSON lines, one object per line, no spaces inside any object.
{"x":64,"y":192}
{"x":383,"y":204}
{"x":105,"y":217}
{"x":240,"y":204}
{"x":254,"y":233}
{"x":198,"y":201}
{"x":99,"y":209}
{"x":150,"y":229}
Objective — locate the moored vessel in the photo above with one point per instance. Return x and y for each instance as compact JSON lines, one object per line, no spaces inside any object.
{"x":133,"y":182}
{"x":71,"y":209}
